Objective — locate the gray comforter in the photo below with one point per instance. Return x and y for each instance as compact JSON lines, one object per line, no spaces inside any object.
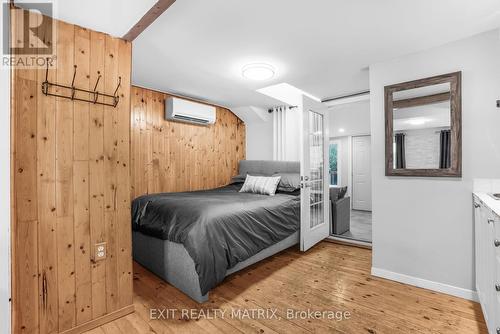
{"x":218,"y":227}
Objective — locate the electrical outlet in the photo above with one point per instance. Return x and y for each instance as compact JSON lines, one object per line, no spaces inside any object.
{"x":100,"y":251}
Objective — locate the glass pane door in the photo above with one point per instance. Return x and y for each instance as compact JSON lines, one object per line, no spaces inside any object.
{"x":314,"y":195}
{"x":316,"y":142}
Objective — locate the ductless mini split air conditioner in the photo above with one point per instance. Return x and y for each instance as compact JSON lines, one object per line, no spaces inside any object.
{"x":181,"y":110}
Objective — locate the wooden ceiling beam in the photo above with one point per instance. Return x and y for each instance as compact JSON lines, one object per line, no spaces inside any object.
{"x":152,"y":14}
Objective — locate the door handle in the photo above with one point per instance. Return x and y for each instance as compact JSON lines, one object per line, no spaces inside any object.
{"x":497,"y":287}
{"x":490,"y":221}
{"x":496,"y":243}
{"x":304,"y":182}
{"x":476,"y":205}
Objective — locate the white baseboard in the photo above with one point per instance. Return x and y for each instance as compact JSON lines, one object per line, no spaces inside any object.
{"x":426,"y":284}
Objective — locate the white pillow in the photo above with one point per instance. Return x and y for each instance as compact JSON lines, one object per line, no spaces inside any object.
{"x":265,"y":185}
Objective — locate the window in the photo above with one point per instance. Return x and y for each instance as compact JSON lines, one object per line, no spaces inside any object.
{"x":334,"y":157}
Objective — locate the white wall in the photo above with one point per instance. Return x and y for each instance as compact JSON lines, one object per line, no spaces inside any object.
{"x":4,"y":197}
{"x":354,"y":118}
{"x":259,"y":132}
{"x":422,"y":227}
{"x":259,"y":136}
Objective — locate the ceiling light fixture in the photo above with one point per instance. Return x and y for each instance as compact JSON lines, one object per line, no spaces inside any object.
{"x":341,"y":130}
{"x":258,"y":71}
{"x":417,"y":121}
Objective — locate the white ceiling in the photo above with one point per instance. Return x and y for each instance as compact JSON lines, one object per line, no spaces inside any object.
{"x":324,"y":47}
{"x":114,"y":17}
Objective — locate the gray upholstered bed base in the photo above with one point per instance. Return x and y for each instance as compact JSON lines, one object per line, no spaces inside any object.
{"x":171,"y":261}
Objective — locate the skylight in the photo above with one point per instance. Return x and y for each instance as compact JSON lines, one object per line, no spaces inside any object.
{"x":286,"y":93}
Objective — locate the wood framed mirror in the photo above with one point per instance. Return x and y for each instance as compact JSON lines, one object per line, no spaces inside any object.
{"x":423,"y":127}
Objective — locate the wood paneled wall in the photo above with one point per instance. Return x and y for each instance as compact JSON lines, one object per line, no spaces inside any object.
{"x":71,"y":187}
{"x":169,"y":156}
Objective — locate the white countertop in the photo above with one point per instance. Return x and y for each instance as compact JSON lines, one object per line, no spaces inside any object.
{"x":489,"y":201}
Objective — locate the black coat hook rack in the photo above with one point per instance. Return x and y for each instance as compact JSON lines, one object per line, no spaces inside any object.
{"x":106,"y":99}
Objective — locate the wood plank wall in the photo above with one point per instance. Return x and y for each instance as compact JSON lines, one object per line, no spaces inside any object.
{"x":71,"y":186}
{"x":170,"y":156}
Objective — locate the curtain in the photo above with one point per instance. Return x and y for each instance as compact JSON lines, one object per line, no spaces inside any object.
{"x":444,"y":149}
{"x":285,"y":135}
{"x":400,"y":150}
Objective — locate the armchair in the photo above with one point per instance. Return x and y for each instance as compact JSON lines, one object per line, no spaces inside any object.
{"x":340,"y":213}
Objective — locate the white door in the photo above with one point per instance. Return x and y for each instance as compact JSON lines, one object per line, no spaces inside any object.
{"x":314,"y":195}
{"x":361,"y":173}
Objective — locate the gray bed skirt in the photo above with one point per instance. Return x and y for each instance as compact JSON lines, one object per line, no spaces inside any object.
{"x":170,"y":261}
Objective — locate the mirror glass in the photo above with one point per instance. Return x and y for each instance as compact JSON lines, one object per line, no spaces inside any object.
{"x":422,"y":127}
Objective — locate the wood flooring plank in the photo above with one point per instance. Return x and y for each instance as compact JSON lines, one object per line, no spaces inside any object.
{"x":328,"y":277}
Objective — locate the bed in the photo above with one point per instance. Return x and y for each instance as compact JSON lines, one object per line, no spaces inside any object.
{"x":193,"y":240}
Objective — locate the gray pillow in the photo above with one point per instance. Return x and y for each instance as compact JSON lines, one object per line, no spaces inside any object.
{"x":238,"y":179}
{"x":289,"y":182}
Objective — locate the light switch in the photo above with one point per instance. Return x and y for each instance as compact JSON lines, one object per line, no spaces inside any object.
{"x":100,"y":251}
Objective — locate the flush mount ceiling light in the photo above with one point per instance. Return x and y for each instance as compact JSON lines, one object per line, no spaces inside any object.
{"x":417,"y":121}
{"x":258,"y":71}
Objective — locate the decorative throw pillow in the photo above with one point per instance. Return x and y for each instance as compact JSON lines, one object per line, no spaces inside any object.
{"x":289,"y":182}
{"x":265,"y":185}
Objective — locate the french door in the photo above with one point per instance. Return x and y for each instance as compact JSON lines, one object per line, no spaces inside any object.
{"x":315,"y":208}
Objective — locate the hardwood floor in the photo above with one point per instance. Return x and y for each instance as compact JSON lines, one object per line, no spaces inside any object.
{"x":329,"y":277}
